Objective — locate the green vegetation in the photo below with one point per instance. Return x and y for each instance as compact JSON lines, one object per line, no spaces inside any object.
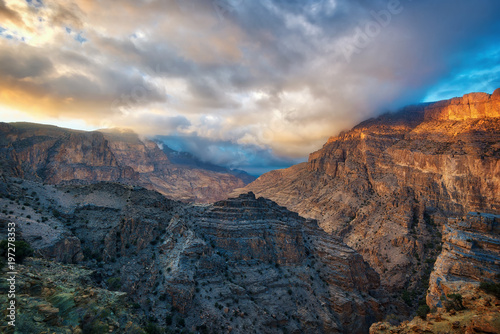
{"x":89,"y":254}
{"x":408,"y":297}
{"x":422,"y":311}
{"x":491,"y":288}
{"x":93,"y":325}
{"x":453,"y":301}
{"x":22,"y":250}
{"x":152,"y":328}
{"x":65,"y":302}
{"x":202,"y":329}
{"x":114,"y":283}
{"x":56,"y":213}
{"x":181,"y":322}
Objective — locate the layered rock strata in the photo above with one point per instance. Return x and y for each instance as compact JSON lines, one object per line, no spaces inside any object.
{"x":471,"y":254}
{"x":241,"y":265}
{"x":57,"y":156}
{"x":387,"y":186}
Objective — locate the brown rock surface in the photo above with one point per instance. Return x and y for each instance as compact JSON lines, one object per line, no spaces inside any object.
{"x":481,"y":314}
{"x":270,"y":266}
{"x":243,"y":263}
{"x":471,"y":254}
{"x":55,"y":155}
{"x":129,"y":150}
{"x":470,"y":106}
{"x":389,"y":183}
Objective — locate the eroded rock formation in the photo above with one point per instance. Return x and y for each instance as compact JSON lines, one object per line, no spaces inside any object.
{"x":55,"y":155}
{"x":471,"y":254}
{"x":242,"y":265}
{"x":387,"y":185}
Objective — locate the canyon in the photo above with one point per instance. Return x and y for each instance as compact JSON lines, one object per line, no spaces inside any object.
{"x":389,"y":185}
{"x":239,"y":265}
{"x":397,"y":217}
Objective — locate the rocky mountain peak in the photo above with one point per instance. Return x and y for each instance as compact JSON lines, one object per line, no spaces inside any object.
{"x":469,"y":106}
{"x":401,"y":210}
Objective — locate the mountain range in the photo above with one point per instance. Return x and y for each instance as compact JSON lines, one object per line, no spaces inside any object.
{"x":397,"y":217}
{"x":56,"y":155}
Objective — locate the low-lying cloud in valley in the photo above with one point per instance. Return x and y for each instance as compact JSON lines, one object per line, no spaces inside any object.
{"x":275,"y":78}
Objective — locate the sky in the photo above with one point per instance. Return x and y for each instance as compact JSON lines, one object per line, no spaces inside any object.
{"x":249,"y":84}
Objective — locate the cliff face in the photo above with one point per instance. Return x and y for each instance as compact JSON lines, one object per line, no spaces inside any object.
{"x":387,"y":185}
{"x":129,"y":150}
{"x":269,"y":263}
{"x":459,"y":295}
{"x":242,"y":265}
{"x":470,"y":106}
{"x":57,"y":155}
{"x":182,"y":182}
{"x":54,"y":155}
{"x":471,"y":253}
{"x":479,"y":313}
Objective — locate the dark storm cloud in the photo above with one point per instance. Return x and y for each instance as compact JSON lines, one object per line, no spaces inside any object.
{"x":23,"y":62}
{"x":252,"y":159}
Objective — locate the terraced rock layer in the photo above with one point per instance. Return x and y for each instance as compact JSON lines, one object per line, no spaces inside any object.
{"x":241,"y":265}
{"x":388,"y":185}
{"x":471,"y":254}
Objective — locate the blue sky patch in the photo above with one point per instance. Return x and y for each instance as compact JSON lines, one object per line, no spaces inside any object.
{"x":35,"y":3}
{"x":80,"y":38}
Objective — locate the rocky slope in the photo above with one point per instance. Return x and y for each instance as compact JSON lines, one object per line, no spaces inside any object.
{"x":389,"y":184}
{"x":242,"y":265}
{"x":55,"y":155}
{"x":414,"y":194}
{"x":56,"y":298}
{"x":464,"y":289}
{"x":479,"y":313}
{"x":471,"y":253}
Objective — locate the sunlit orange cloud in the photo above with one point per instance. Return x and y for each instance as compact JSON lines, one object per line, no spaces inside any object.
{"x":10,"y":15}
{"x":45,"y":106}
{"x":11,"y":115}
